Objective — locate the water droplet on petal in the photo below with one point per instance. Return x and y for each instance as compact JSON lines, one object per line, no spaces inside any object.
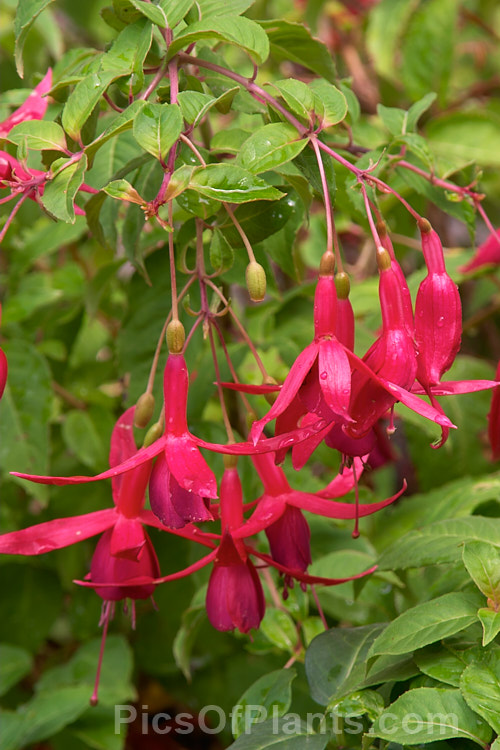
{"x":323,"y":375}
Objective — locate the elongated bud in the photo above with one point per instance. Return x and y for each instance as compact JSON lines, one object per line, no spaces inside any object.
{"x":154,"y":433}
{"x":144,"y":409}
{"x":255,"y":277}
{"x":386,"y":243}
{"x":176,"y":337}
{"x":345,"y":314}
{"x":251,"y":418}
{"x":438,"y":313}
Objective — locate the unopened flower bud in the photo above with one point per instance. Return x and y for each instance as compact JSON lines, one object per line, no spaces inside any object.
{"x":327,"y":264}
{"x":343,"y":285}
{"x":270,"y":397}
{"x":425,"y":226}
{"x":251,"y":418}
{"x":144,"y":409}
{"x":176,"y":337}
{"x":344,"y":329}
{"x":154,"y":433}
{"x":255,"y":277}
{"x":383,"y":258}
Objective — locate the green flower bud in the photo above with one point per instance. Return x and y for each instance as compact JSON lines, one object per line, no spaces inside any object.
{"x":154,"y":433}
{"x":176,"y":337}
{"x":255,"y":277}
{"x":144,"y":409}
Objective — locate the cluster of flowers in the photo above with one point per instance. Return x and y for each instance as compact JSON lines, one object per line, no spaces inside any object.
{"x":330,"y":395}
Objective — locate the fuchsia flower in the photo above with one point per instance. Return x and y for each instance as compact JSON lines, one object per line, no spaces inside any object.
{"x":3,"y":366}
{"x":486,"y":254}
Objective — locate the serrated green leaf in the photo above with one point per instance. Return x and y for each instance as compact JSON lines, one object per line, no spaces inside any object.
{"x":480,"y":686}
{"x":229,"y":182}
{"x":439,"y":542}
{"x":426,"y":623}
{"x":269,"y":147}
{"x":157,"y":127}
{"x":490,"y":621}
{"x":429,"y":714}
{"x":236,"y":30}
{"x":26,"y":14}
{"x":38,"y":135}
{"x":16,"y":663}
{"x":293,"y":41}
{"x":59,"y":194}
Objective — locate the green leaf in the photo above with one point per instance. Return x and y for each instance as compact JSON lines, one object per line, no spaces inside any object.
{"x":49,"y":711}
{"x":426,"y":623}
{"x":269,"y":695}
{"x":269,"y":147}
{"x":194,"y":104}
{"x":480,"y":686}
{"x":286,"y":733}
{"x":444,"y":665}
{"x":228,"y":141}
{"x":155,"y":13}
{"x":59,"y":193}
{"x":430,"y":35}
{"x":25,"y":411}
{"x":229,"y":182}
{"x":124,"y":121}
{"x":125,"y":57}
{"x":386,"y":24}
{"x":330,"y":102}
{"x":82,"y":439}
{"x":116,"y":671}
{"x":490,"y":621}
{"x":13,"y":728}
{"x":463,"y":137}
{"x":418,"y":109}
{"x":279,"y":628}
{"x":429,"y":714}
{"x":482,"y":560}
{"x":221,"y":252}
{"x":185,"y":638}
{"x":358,"y":704}
{"x":38,"y":135}
{"x":293,"y":41}
{"x":259,"y":220}
{"x":418,"y":146}
{"x":308,"y":165}
{"x":29,"y":594}
{"x":297,"y":95}
{"x":26,"y":14}
{"x":175,"y":10}
{"x":157,"y":127}
{"x":439,"y":542}
{"x":336,"y":663}
{"x":236,"y":30}
{"x":223,"y":7}
{"x":395,"y":120}
{"x":122,"y":190}
{"x":16,"y":663}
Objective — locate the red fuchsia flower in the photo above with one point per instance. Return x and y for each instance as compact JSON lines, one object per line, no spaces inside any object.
{"x":438,"y":313}
{"x":181,"y":482}
{"x":494,"y":420}
{"x":319,"y":381}
{"x":33,"y":108}
{"x":386,"y":243}
{"x":391,"y":357}
{"x":487,"y":254}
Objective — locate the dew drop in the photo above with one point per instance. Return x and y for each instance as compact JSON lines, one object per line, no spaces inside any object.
{"x":440,"y":322}
{"x":323,"y":375}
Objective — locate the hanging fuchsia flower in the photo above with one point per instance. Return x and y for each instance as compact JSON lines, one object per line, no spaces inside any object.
{"x":33,"y":108}
{"x":487,"y":254}
{"x":438,"y":313}
{"x":391,"y":357}
{"x":320,"y":377}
